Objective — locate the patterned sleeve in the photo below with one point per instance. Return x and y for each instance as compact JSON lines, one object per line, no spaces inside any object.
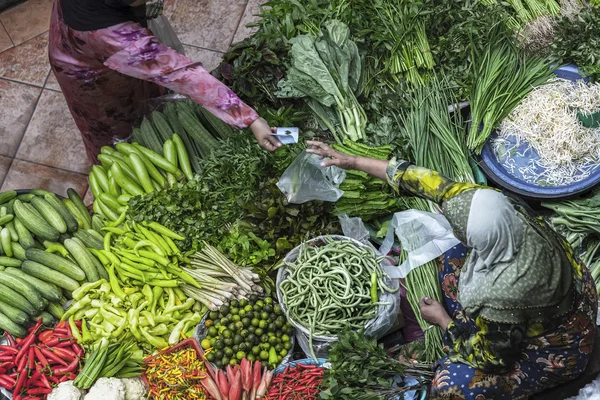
{"x":424,"y":183}
{"x":482,"y":344}
{"x":148,"y":59}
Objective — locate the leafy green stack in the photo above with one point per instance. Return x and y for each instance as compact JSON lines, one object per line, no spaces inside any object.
{"x":46,"y":253}
{"x":197,"y":128}
{"x":366,"y":196}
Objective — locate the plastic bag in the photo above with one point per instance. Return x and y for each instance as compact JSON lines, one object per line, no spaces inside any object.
{"x":424,"y":235}
{"x":589,"y":392}
{"x":377,"y":327}
{"x":305,"y":180}
{"x":162,"y":29}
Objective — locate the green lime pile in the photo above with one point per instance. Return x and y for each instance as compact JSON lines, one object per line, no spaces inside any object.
{"x":255,"y":329}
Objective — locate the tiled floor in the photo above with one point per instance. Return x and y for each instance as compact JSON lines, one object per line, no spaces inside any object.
{"x":40,"y":146}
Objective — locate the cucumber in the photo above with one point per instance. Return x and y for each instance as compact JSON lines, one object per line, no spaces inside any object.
{"x":13,"y":298}
{"x":98,"y":222}
{"x":18,"y":316}
{"x":48,"y":291}
{"x":74,"y":197}
{"x":10,"y":262}
{"x":74,"y":211}
{"x":7,"y":196}
{"x":84,"y":259}
{"x":10,"y":326}
{"x":25,"y":289}
{"x":96,"y":234}
{"x":25,"y":238}
{"x":18,"y":252}
{"x":56,"y":263}
{"x":52,"y":216}
{"x":89,"y":240}
{"x":55,"y":309}
{"x":47,"y":319}
{"x":6,"y":241}
{"x":49,"y":275}
{"x":34,"y":222}
{"x":60,"y":207}
{"x":99,"y":267}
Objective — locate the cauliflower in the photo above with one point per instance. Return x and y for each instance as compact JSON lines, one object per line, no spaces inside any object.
{"x":134,"y":389}
{"x":66,"y":391}
{"x":107,"y":389}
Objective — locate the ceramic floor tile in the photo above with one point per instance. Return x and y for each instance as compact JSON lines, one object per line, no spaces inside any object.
{"x":205,"y":23}
{"x":52,"y":138}
{"x":52,"y":83}
{"x":4,"y":166}
{"x":17,"y":102}
{"x":250,"y":15}
{"x":88,"y":200}
{"x":27,"y":20}
{"x":5,"y":42}
{"x":27,"y":175}
{"x":209,"y":59}
{"x":27,"y":62}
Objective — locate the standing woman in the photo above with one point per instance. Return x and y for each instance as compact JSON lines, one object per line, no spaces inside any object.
{"x":108,"y":64}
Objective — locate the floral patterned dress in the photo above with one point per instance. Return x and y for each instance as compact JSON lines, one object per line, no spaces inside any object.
{"x":488,"y":360}
{"x":108,"y":75}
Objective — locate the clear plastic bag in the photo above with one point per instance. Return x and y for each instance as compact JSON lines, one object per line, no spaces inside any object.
{"x":162,"y":29}
{"x":305,"y":180}
{"x":424,"y":235}
{"x":589,"y":392}
{"x":386,"y":317}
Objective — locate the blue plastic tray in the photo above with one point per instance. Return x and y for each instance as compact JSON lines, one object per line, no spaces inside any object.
{"x":514,"y":182}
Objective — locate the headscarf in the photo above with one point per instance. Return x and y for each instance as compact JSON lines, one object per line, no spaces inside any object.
{"x":154,"y":9}
{"x":517,"y":270}
{"x":90,"y":15}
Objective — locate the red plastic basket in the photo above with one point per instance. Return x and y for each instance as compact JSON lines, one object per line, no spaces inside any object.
{"x":186,"y":344}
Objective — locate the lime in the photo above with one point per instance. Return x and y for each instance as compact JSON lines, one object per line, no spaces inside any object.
{"x":234,"y":311}
{"x":235,"y":348}
{"x":256,"y":350}
{"x":242,"y":313}
{"x":252,"y":338}
{"x":277,"y":309}
{"x":285,"y":338}
{"x":247,"y":322}
{"x":268,"y":308}
{"x":248,"y":308}
{"x":259,"y":332}
{"x":205,"y":344}
{"x":264,"y":316}
{"x":264,"y":338}
{"x":210,"y":356}
{"x":278,"y":347}
{"x":264,"y":355}
{"x":237,"y":339}
{"x":279,"y":323}
{"x":253,"y":298}
{"x":256,"y":308}
{"x":240,"y":355}
{"x":219,"y":354}
{"x":219,"y":364}
{"x":236,"y":318}
{"x":250,"y":357}
{"x":231,"y":326}
{"x":213,"y":315}
{"x":217,"y":323}
{"x":244,"y":346}
{"x":212,"y":342}
{"x":268,"y":300}
{"x":251,"y":329}
{"x":279,"y":359}
{"x":221,"y":329}
{"x":262,"y":324}
{"x":287,"y":345}
{"x":283,"y":353}
{"x":255,"y":322}
{"x":272,"y":340}
{"x":219,"y":344}
{"x":272,"y":327}
{"x":212,"y":331}
{"x":225,"y":360}
{"x":227,"y":333}
{"x":228,"y":341}
{"x":225,"y":321}
{"x":264,"y":346}
{"x":244,"y":333}
{"x":234,"y":303}
{"x":271,"y":334}
{"x":239,"y":325}
{"x":233,"y":362}
{"x":260,"y":303}
{"x":228,"y":352}
{"x":209,"y":322}
{"x":243,"y":302}
{"x":224,"y":311}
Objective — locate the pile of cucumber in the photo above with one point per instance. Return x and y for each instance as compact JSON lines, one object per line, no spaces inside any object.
{"x":47,"y":247}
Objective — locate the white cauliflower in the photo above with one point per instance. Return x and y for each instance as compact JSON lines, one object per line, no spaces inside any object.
{"x":66,"y":391}
{"x":107,"y":389}
{"x":134,"y":389}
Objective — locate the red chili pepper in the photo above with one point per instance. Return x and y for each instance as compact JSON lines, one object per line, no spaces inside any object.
{"x":28,"y":341}
{"x":7,"y":383}
{"x":45,"y":382}
{"x":22,"y":364}
{"x":11,"y":339}
{"x":45,"y":336}
{"x":51,"y":356}
{"x":64,"y":379}
{"x":65,"y":354}
{"x":70,"y":368}
{"x":31,"y":358}
{"x":77,"y":350}
{"x":9,"y":349}
{"x":31,"y":398}
{"x":60,"y":325}
{"x":40,"y":357}
{"x":20,"y":382}
{"x":53,"y":379}
{"x":36,"y":391}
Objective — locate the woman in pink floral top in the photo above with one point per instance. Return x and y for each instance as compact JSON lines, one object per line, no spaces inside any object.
{"x":107,"y":65}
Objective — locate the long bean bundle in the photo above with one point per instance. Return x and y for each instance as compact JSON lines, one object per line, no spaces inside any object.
{"x":332,"y":287}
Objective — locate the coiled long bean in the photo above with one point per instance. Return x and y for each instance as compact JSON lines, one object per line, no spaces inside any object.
{"x":329,"y":288}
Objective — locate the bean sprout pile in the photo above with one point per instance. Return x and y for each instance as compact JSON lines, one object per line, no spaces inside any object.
{"x":547,"y":121}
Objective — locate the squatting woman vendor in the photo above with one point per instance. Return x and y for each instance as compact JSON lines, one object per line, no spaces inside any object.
{"x":529,"y":307}
{"x":108,"y":65}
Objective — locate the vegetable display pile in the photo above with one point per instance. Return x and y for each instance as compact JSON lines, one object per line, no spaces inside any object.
{"x":331,"y":287}
{"x":244,"y":381}
{"x":45,"y":357}
{"x":298,"y":382}
{"x":254,"y":329}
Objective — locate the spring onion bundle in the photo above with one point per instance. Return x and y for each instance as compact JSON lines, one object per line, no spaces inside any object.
{"x":504,"y":77}
{"x":547,"y":120}
{"x":220,"y":279}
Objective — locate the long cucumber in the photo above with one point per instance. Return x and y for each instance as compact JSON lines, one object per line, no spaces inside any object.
{"x":17,"y":316}
{"x":49,"y":275}
{"x":11,"y":327}
{"x":60,"y":207}
{"x":34,"y":222}
{"x":74,"y":197}
{"x":56,"y":263}
{"x":50,"y":214}
{"x":13,"y":298}
{"x":84,"y":259}
{"x":48,"y":291}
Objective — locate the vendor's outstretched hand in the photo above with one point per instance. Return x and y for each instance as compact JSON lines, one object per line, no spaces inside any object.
{"x":263,"y":134}
{"x":336,"y":158}
{"x":433,"y":312}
